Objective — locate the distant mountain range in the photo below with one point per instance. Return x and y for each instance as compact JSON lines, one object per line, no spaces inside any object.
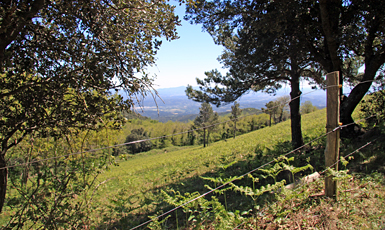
{"x":177,"y":107}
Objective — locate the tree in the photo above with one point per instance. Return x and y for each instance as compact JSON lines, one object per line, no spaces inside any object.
{"x":48,"y":200}
{"x":264,"y":48}
{"x":271,"y":109}
{"x":373,"y":106}
{"x":235,"y":113}
{"x":138,"y":135}
{"x":276,"y":107}
{"x":314,"y":37}
{"x":282,"y":103}
{"x":349,"y":31}
{"x":61,"y":60}
{"x":307,"y":107}
{"x":206,"y":120}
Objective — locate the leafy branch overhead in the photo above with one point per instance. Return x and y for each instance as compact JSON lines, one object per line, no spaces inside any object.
{"x":73,"y":54}
{"x":270,"y":43}
{"x":61,"y":61}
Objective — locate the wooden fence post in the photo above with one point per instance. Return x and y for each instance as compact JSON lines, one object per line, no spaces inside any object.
{"x":332,"y":144}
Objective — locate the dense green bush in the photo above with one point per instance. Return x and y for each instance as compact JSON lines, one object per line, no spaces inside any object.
{"x":374,"y":105}
{"x":136,"y":135}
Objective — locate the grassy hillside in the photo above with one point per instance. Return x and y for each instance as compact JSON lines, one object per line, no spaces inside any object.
{"x":150,"y":183}
{"x":133,"y":187}
{"x":132,"y":191}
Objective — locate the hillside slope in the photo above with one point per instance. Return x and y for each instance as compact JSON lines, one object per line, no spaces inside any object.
{"x":133,"y":190}
{"x":157,"y":169}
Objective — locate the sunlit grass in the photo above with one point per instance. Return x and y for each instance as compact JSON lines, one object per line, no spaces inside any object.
{"x":139,"y":175}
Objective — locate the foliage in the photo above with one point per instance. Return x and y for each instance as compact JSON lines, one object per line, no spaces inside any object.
{"x":203,"y":211}
{"x":138,"y":135}
{"x":60,"y":61}
{"x":235,"y":113}
{"x":181,"y":134}
{"x":373,"y":106}
{"x":132,"y":193}
{"x":277,"y":107}
{"x":282,"y":105}
{"x":260,"y":53}
{"x":271,"y":109}
{"x":353,"y":32}
{"x":205,"y":120}
{"x":270,"y":42}
{"x":56,"y":196}
{"x":56,"y":193}
{"x":133,"y":189}
{"x":212,"y":214}
{"x":307,"y":107}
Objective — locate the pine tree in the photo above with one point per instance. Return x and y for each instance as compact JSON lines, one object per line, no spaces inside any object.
{"x":205,"y":121}
{"x":235,"y":113}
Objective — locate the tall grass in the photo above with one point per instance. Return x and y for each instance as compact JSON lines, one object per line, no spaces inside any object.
{"x":132,"y":188}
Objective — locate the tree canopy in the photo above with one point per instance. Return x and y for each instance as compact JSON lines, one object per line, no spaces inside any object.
{"x":271,"y":42}
{"x":308,"y":107}
{"x":60,"y":62}
{"x":352,"y":30}
{"x":136,"y":135}
{"x":206,"y":120}
{"x":235,"y":113}
{"x":263,"y":50}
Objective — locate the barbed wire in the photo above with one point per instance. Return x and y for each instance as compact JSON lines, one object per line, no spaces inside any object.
{"x":239,"y":177}
{"x":221,"y":186}
{"x":344,"y":157}
{"x":316,"y":179}
{"x":137,"y":141}
{"x":154,"y":138}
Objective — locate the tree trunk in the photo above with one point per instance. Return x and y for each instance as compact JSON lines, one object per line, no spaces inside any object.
{"x":296,"y":132}
{"x":269,"y":119}
{"x":3,"y":180}
{"x":204,"y":137}
{"x":235,"y":128}
{"x":350,"y":103}
{"x":330,"y":16}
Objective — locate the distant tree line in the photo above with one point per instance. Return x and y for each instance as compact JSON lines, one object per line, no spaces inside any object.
{"x":207,"y":127}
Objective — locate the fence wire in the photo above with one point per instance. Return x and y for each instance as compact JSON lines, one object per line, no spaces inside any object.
{"x":192,"y":130}
{"x":143,"y":140}
{"x":251,"y":171}
{"x":174,"y":134}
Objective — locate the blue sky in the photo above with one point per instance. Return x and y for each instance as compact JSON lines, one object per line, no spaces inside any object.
{"x":180,"y":61}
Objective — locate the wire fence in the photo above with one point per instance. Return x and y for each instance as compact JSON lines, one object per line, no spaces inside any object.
{"x":255,"y":169}
{"x":154,"y":138}
{"x":174,"y":134}
{"x":300,"y":186}
{"x":223,"y":185}
{"x":200,"y":128}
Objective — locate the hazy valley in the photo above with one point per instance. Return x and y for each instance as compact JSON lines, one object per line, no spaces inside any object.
{"x":174,"y":105}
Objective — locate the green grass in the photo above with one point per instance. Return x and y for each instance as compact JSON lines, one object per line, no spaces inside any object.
{"x":132,"y":191}
{"x":138,"y":180}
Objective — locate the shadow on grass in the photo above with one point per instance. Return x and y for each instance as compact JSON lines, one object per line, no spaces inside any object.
{"x":133,"y":211}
